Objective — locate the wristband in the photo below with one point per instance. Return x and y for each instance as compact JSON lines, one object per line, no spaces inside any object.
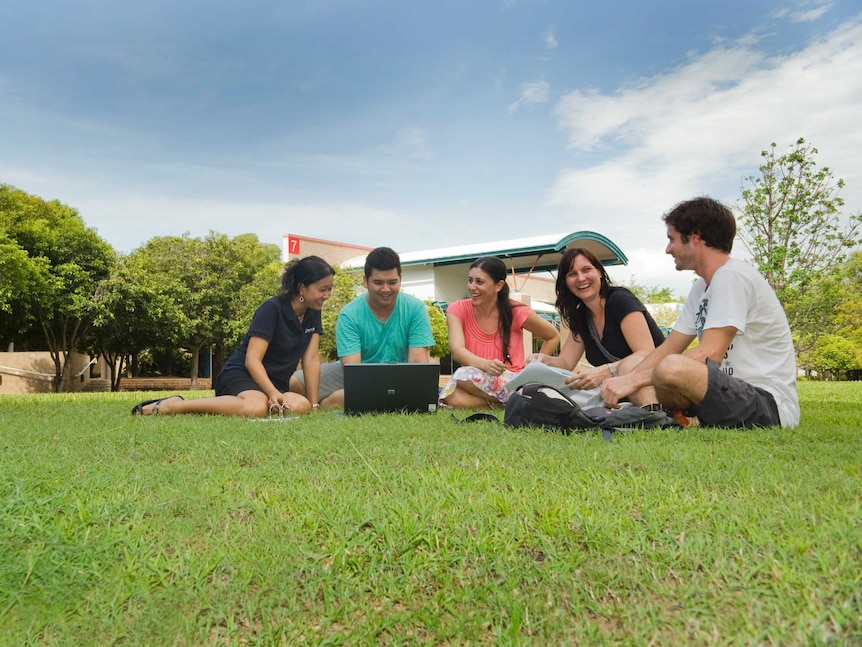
{"x":613,"y":371}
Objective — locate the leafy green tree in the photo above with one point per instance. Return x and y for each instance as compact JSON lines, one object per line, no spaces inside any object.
{"x":792,"y":224}
{"x":848,"y":316}
{"x":24,"y":284}
{"x":833,"y":355}
{"x":440,"y":330}
{"x":232,"y":264}
{"x":178,"y":263}
{"x":207,"y":278}
{"x":653,"y":294}
{"x":137,"y":310}
{"x":67,"y":261}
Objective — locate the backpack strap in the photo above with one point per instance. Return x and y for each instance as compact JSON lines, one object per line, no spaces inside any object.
{"x":478,"y":417}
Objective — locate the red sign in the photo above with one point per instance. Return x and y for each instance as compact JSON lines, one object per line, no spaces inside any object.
{"x":292,"y":245}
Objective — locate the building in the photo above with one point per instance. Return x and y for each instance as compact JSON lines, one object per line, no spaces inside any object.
{"x":441,"y":274}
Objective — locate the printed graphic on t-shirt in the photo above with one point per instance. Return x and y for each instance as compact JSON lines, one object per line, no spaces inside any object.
{"x":726,"y":364}
{"x":700,"y":323}
{"x":700,"y":317}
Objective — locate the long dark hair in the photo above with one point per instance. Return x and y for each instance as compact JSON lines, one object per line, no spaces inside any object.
{"x":496,"y":269}
{"x":302,"y":271}
{"x":571,"y":308}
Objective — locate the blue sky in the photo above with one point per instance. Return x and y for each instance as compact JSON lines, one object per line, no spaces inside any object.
{"x":419,"y":124}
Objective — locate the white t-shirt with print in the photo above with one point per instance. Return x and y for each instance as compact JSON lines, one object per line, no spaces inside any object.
{"x":762,"y":352}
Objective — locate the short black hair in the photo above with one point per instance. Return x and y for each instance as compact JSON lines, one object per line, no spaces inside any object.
{"x":382,"y":259}
{"x":708,"y":218}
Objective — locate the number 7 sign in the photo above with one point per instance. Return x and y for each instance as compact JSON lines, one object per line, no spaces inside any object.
{"x":292,"y":245}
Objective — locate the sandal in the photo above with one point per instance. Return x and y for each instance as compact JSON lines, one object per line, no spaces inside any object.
{"x":138,"y":409}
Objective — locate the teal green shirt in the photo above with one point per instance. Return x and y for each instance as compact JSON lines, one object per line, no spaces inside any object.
{"x":359,"y":331}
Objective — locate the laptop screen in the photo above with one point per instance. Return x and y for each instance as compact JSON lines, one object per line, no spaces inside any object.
{"x":381,"y":388}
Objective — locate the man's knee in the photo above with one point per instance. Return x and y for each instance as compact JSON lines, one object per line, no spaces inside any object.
{"x":334,"y":400}
{"x":670,"y":373}
{"x":296,"y":386}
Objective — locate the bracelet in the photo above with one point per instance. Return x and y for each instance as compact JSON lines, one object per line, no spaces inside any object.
{"x":612,"y":370}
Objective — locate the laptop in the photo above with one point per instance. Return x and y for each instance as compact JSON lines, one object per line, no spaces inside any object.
{"x":382,"y":388}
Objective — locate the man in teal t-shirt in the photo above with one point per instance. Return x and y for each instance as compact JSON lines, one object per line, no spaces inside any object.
{"x":381,"y":326}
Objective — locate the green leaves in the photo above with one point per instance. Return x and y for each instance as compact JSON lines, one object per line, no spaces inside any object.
{"x":793,"y":226}
{"x":54,"y":263}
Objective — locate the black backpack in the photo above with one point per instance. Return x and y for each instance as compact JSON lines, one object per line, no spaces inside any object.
{"x":540,"y":405}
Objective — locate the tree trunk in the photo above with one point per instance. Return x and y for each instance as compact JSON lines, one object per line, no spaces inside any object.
{"x":58,"y":371}
{"x":196,"y":358}
{"x":217,"y":360}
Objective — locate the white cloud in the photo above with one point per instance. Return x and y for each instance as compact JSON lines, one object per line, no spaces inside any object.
{"x":805,"y":10}
{"x":805,"y":14}
{"x":410,"y":144}
{"x":699,"y":128}
{"x":535,"y":92}
{"x":549,"y":39}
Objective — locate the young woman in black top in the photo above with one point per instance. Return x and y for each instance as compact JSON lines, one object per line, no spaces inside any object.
{"x":585,"y":295}
{"x":285,"y":329}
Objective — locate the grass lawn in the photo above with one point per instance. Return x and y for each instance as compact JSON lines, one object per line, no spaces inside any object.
{"x":419,"y":530}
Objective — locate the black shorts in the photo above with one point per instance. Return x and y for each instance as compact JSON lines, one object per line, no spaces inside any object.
{"x":730,"y":402}
{"x":233,"y":381}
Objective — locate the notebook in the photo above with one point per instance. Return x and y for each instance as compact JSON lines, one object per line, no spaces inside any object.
{"x":380,"y":388}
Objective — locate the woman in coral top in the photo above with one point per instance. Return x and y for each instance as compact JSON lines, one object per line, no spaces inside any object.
{"x":486,"y":337}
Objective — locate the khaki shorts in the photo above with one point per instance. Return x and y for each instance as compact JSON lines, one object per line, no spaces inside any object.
{"x":331,"y":379}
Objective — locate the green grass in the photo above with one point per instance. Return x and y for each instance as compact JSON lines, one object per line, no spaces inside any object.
{"x":418,"y":530}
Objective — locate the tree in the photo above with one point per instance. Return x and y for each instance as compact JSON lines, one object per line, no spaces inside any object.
{"x":791,"y":223}
{"x":653,"y":294}
{"x":23,"y":285}
{"x":208,"y":280}
{"x":66,"y":261}
{"x":848,"y":316}
{"x":231,"y":265}
{"x":136,"y":311}
{"x":833,"y":355}
{"x":439,"y":329}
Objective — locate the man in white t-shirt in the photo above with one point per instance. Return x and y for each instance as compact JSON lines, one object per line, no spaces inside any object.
{"x":742,"y":372}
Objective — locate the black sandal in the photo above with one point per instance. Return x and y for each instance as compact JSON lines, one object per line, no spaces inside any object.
{"x":138,"y":409}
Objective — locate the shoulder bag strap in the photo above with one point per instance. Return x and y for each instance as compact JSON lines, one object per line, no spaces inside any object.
{"x":594,"y":334}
